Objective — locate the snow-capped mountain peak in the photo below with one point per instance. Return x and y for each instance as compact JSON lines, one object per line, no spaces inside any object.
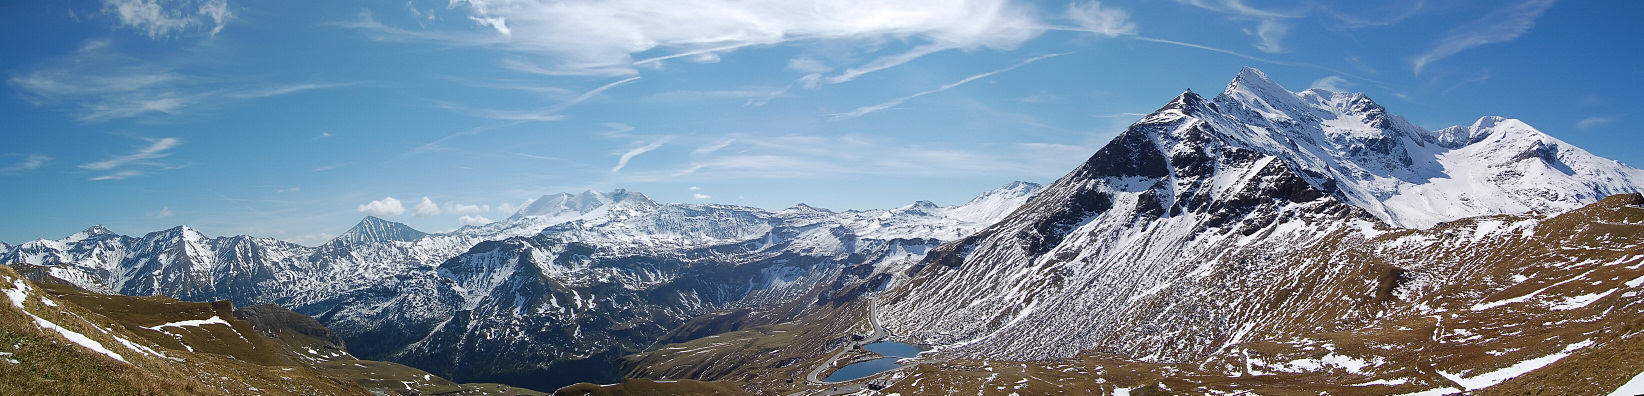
{"x":1252,"y":88}
{"x":995,"y":204}
{"x":373,"y":229}
{"x":88,"y":233}
{"x":567,"y":206}
{"x":1352,"y":147}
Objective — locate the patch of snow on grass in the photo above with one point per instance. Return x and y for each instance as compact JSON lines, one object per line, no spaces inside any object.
{"x":191,"y":323}
{"x":1633,"y":387}
{"x":1492,"y":378}
{"x":1581,"y":301}
{"x":19,"y":293}
{"x":1391,"y":382}
{"x":78,"y":338}
{"x":1351,"y":364}
{"x":1433,"y":392}
{"x":143,"y":349}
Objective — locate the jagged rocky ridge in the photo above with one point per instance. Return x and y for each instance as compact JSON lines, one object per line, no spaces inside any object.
{"x":1206,"y":220}
{"x":550,"y":296}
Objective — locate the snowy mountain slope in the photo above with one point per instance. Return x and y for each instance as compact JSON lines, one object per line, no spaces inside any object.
{"x":1406,"y":175}
{"x":599,"y":273}
{"x":1189,"y":228}
{"x":639,"y":273}
{"x":1501,"y":304}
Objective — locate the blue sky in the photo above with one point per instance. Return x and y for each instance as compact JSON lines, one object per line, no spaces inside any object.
{"x":294,"y":119}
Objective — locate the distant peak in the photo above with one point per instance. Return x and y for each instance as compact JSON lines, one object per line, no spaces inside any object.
{"x":1248,"y":72}
{"x":375,"y":220}
{"x":1254,"y":81}
{"x":562,"y":204}
{"x":90,"y":232}
{"x":807,"y":209}
{"x":374,"y":229}
{"x":1184,"y":102}
{"x":1487,"y":122}
{"x":182,"y":229}
{"x":1018,"y":185}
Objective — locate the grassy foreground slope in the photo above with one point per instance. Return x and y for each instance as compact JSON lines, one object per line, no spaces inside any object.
{"x":55,"y":339}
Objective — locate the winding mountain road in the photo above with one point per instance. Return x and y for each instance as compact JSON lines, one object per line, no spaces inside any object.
{"x":879,"y":333}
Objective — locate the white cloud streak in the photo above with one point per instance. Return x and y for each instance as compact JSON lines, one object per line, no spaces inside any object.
{"x":1270,"y":33}
{"x":121,"y":175}
{"x":886,"y":63}
{"x":281,"y":90}
{"x":382,"y":208}
{"x":1332,"y":84}
{"x":589,"y":37}
{"x":1590,"y":123}
{"x":807,"y":156}
{"x":1091,"y":17}
{"x":473,"y":220}
{"x":543,"y":115}
{"x":1254,"y":58}
{"x":860,"y":111}
{"x":1499,"y":26}
{"x":623,"y":161}
{"x":1271,"y":27}
{"x":99,"y":83}
{"x":28,"y":163}
{"x":157,"y":148}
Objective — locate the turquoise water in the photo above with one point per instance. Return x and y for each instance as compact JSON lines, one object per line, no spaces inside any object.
{"x":895,"y":350}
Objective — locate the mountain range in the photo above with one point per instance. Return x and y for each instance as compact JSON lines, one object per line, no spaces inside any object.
{"x":551,"y":296}
{"x":1261,"y":239}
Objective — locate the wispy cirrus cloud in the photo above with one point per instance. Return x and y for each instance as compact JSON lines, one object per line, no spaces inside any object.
{"x":27,"y":162}
{"x":99,"y":83}
{"x":144,"y":157}
{"x":279,"y":90}
{"x":1594,"y":122}
{"x":588,"y":37}
{"x":121,"y":175}
{"x":1272,"y":26}
{"x":634,"y":152}
{"x":861,"y":111}
{"x":156,"y":149}
{"x":808,"y":156}
{"x":1332,"y":84}
{"x":549,"y":113}
{"x":1091,"y":17}
{"x":1250,"y":57}
{"x":161,"y":19}
{"x":1502,"y":25}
